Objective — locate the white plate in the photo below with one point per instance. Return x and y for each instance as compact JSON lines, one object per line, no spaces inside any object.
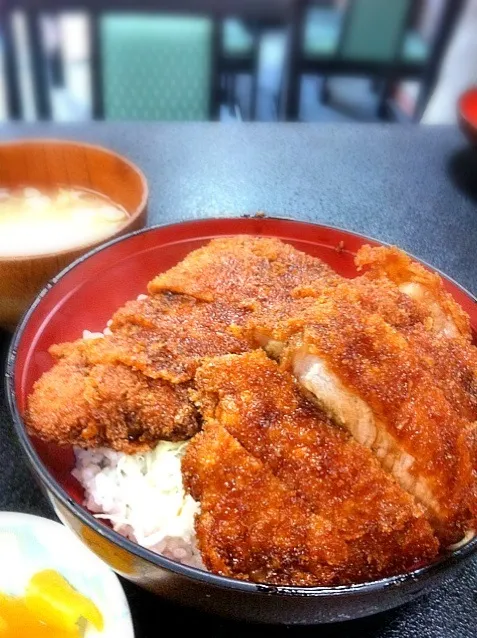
{"x":29,"y":544}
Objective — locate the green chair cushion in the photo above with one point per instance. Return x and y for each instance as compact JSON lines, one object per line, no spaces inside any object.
{"x":322,"y":32}
{"x":156,"y":67}
{"x":237,"y":39}
{"x":322,"y":36}
{"x":374,"y":30}
{"x":415,"y":48}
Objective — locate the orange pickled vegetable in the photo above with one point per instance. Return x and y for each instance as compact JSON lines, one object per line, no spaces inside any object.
{"x":17,"y":621}
{"x":55,"y":601}
{"x":51,"y":608}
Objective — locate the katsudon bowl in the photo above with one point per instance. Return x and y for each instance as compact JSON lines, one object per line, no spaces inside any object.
{"x":84,"y":296}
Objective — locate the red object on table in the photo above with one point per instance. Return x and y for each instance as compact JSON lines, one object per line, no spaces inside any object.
{"x":467,"y":110}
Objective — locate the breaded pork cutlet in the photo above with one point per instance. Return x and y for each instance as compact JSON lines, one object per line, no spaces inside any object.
{"x":371,"y":379}
{"x":250,"y":525}
{"x":256,"y":417}
{"x":244,"y":270}
{"x":129,"y":389}
{"x":418,"y":283}
{"x":91,"y":404}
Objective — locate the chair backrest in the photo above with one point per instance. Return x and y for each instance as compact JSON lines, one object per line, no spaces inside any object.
{"x":156,"y":67}
{"x":373,"y":30}
{"x":150,"y":60}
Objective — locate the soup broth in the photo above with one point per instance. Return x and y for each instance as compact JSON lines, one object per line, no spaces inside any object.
{"x":36,"y":222}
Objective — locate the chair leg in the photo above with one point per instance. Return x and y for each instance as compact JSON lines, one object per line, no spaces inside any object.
{"x":97,"y":94}
{"x":14,"y":107}
{"x":217,"y":75}
{"x":56,"y":60}
{"x":280,"y":95}
{"x":253,"y":95}
{"x":384,"y":95}
{"x":222,"y":88}
{"x":292,"y":90}
{"x":57,"y":71}
{"x":257,"y":39}
{"x":324,"y":92}
{"x":293,"y":98}
{"x":231,"y":92}
{"x":41,"y":89}
{"x":376,"y":84}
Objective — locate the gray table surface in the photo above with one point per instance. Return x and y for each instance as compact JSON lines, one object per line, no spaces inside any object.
{"x":415,"y":187}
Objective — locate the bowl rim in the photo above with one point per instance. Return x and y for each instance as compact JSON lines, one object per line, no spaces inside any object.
{"x":447,"y":560}
{"x":86,"y":246}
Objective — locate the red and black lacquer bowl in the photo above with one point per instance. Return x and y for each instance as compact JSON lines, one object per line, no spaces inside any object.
{"x":467,"y":114}
{"x":85,"y":295}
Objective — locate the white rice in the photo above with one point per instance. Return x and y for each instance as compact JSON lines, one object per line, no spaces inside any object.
{"x":142,"y":495}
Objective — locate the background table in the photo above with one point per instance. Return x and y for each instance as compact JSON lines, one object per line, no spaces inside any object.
{"x":416,"y":187}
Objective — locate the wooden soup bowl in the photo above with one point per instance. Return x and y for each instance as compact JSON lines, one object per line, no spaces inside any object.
{"x":45,"y":164}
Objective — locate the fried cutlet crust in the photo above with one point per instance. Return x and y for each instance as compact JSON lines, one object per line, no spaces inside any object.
{"x":157,"y":342}
{"x":453,"y":365}
{"x":374,"y":360}
{"x":103,"y":405}
{"x":167,"y":335}
{"x":243,"y":270}
{"x":132,"y":385}
{"x":381,"y":528}
{"x":251,"y":526}
{"x":452,"y":361}
{"x":390,"y":262}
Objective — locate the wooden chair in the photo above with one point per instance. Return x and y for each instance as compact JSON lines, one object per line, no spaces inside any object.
{"x":371,"y":37}
{"x":147,"y":63}
{"x":154,"y":67}
{"x":239,"y":54}
{"x":448,"y":21}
